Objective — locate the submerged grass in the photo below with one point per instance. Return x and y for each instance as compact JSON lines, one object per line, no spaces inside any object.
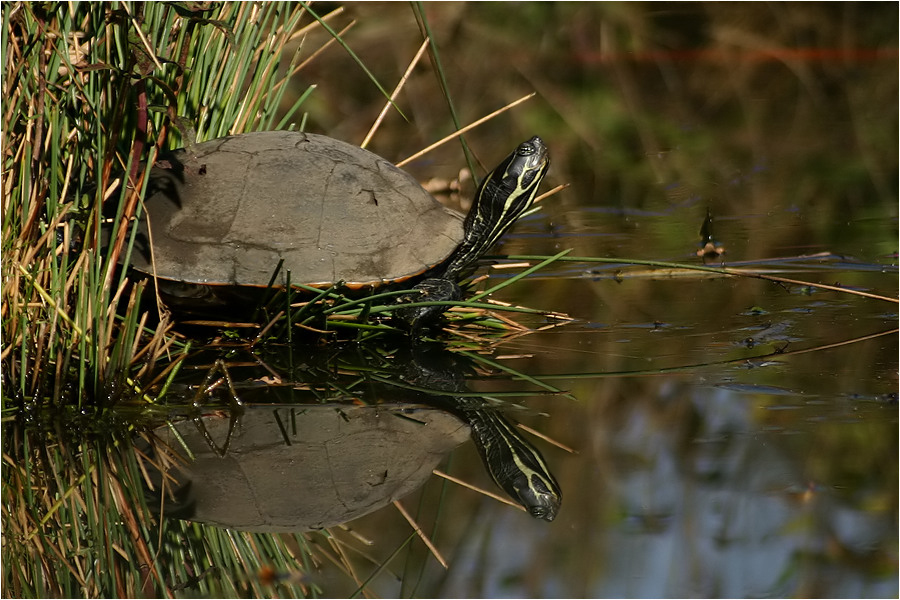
{"x":111,"y":544}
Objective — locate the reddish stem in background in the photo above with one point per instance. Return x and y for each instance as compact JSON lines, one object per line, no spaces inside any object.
{"x":134,"y":177}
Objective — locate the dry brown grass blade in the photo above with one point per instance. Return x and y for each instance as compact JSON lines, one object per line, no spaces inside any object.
{"x":316,"y":23}
{"x":475,"y":488}
{"x":323,"y":47}
{"x":546,"y":438}
{"x":821,"y":286}
{"x":422,"y":535}
{"x":476,"y":338}
{"x":266,"y":47}
{"x":148,"y":47}
{"x":344,"y":546}
{"x":340,"y":559}
{"x":159,"y":345}
{"x":836,"y":344}
{"x":126,"y":511}
{"x":517,"y":265}
{"x":265,"y":330}
{"x":46,"y":297}
{"x":356,"y":535}
{"x":473,"y":125}
{"x":551,"y":192}
{"x":513,"y":324}
{"x":318,"y":50}
{"x":288,"y":37}
{"x":395,"y":93}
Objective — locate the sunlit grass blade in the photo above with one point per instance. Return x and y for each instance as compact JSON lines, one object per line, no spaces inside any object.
{"x":480,"y":490}
{"x":462,"y":130}
{"x":394,"y":94}
{"x":422,"y":535}
{"x":521,"y":275}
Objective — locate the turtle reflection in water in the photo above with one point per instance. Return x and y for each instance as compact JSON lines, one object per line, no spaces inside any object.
{"x":306,"y":467}
{"x":225,"y":213}
{"x":302,"y":467}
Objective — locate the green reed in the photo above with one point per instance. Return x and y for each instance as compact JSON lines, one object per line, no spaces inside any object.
{"x":92,"y":92}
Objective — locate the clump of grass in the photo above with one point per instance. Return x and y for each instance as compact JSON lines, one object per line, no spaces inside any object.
{"x":92,"y":91}
{"x":331,"y":314}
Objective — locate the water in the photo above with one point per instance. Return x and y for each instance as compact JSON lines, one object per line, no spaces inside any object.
{"x":733,"y":436}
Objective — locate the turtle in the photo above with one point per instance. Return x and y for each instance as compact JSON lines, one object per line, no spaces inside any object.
{"x":224,"y":214}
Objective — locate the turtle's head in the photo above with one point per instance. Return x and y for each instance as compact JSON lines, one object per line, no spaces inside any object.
{"x":502,"y":197}
{"x":511,"y":187}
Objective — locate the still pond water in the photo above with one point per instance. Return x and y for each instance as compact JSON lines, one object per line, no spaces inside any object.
{"x":732,"y":437}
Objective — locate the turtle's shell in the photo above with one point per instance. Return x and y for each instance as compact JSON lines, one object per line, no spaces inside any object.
{"x":228,"y":210}
{"x":301,"y":467}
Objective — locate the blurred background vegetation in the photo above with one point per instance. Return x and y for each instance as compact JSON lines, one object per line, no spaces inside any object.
{"x":649,"y":104}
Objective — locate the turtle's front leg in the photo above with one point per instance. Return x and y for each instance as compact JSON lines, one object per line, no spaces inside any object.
{"x":419,"y":319}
